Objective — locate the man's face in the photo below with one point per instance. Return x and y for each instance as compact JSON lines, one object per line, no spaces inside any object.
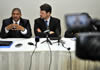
{"x":44,"y":14}
{"x":16,"y":15}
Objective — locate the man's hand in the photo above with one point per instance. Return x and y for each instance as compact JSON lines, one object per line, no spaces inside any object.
{"x":19,"y":27}
{"x":51,"y":32}
{"x":15,"y":27}
{"x":9,"y":27}
{"x":38,"y":30}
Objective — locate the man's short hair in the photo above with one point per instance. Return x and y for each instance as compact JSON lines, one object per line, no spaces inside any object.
{"x":46,"y":7}
{"x":18,"y":9}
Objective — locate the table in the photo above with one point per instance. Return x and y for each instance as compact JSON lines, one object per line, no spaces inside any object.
{"x":18,"y":58}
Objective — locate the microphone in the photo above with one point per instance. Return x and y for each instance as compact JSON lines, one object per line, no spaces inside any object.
{"x":37,"y":39}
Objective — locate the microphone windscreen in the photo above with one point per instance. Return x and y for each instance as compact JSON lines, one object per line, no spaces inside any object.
{"x":37,"y":38}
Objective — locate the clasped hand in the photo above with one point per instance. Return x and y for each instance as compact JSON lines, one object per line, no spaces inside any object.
{"x":15,"y":27}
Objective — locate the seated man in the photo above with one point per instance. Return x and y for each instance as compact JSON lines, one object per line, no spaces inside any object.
{"x":46,"y":22}
{"x":15,"y":26}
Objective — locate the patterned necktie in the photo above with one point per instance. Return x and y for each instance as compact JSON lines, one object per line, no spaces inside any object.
{"x":46,"y":22}
{"x":47,"y":25}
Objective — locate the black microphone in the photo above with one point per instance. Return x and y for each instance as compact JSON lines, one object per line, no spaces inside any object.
{"x":37,"y":39}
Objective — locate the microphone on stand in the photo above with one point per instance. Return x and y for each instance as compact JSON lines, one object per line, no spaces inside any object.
{"x":37,"y":39}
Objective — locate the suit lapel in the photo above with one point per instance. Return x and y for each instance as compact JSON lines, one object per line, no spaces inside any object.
{"x":43,"y":24}
{"x":21,"y":22}
{"x":11,"y":21}
{"x":50,"y":23}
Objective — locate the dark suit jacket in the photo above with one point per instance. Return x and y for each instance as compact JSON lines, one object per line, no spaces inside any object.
{"x":16,"y":34}
{"x":54,"y":25}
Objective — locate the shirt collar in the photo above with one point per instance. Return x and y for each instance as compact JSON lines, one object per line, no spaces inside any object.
{"x":16,"y":22}
{"x":48,"y":19}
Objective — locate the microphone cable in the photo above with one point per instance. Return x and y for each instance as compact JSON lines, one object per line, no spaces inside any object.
{"x":31,"y":57}
{"x":50,"y":56}
{"x":36,"y":40}
{"x":62,"y":43}
{"x":70,"y":56}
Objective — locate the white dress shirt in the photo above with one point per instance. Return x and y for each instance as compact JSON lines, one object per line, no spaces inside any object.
{"x":48,"y":21}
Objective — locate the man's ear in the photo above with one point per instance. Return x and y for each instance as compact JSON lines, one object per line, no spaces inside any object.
{"x":48,"y":13}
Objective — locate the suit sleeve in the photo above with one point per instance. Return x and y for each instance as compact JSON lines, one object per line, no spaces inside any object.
{"x":29,"y":32}
{"x":57,"y":31}
{"x":3,"y":33}
{"x":36,"y":26}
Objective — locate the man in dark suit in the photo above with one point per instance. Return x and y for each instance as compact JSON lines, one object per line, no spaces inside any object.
{"x":15,"y":26}
{"x":47,"y":24}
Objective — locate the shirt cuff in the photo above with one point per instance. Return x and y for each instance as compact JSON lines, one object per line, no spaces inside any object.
{"x":24,"y":32}
{"x":6,"y":30}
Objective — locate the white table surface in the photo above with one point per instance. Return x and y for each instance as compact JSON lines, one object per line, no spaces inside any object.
{"x":69,"y":42}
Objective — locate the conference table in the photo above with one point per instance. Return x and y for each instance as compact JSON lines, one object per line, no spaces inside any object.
{"x":19,"y":58}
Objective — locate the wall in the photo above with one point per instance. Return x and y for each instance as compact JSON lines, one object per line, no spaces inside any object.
{"x":30,"y":9}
